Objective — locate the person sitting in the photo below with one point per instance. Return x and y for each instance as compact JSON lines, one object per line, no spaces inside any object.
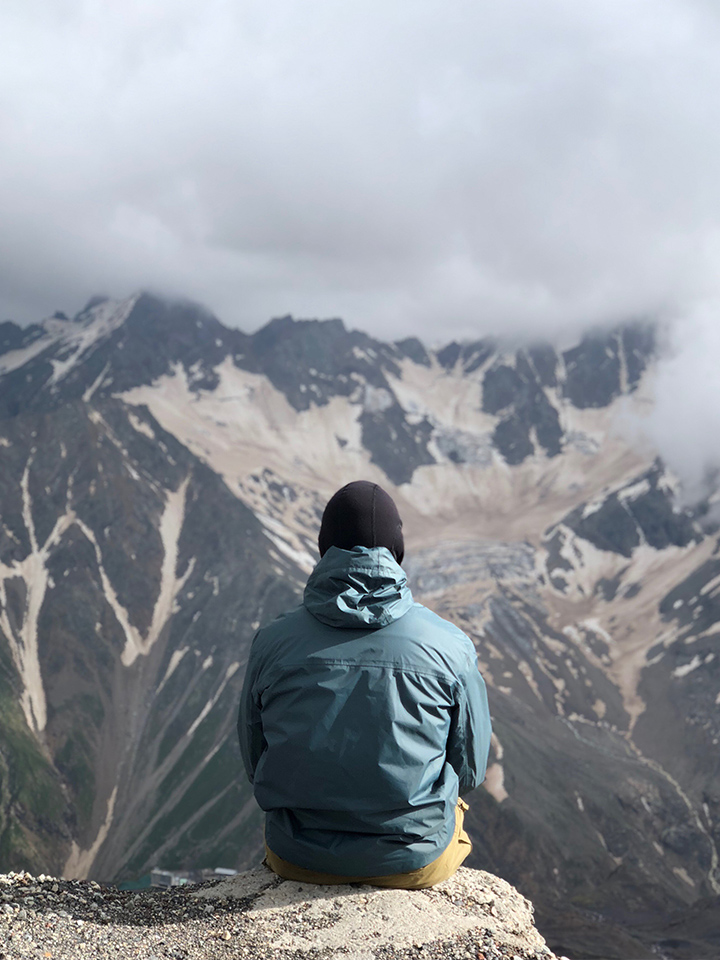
{"x":363,"y":717}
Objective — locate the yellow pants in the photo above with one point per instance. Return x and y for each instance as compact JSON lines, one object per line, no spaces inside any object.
{"x":435,"y":872}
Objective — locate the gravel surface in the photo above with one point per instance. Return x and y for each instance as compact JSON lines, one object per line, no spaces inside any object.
{"x":257,"y":915}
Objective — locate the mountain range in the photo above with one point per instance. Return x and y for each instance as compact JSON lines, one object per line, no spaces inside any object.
{"x":161,"y":482}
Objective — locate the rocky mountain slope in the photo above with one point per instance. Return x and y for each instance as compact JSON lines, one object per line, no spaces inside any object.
{"x":160,"y":489}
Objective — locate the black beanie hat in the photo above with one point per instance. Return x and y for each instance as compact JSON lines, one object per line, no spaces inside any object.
{"x":362,"y":514}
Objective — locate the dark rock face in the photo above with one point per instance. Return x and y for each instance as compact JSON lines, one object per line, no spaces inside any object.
{"x":512,"y":439}
{"x":592,"y":372}
{"x":449,"y":355}
{"x":644,"y":512}
{"x":638,"y":340}
{"x":414,"y":350}
{"x":312,"y":362}
{"x":593,"y":368}
{"x":475,"y":354}
{"x":611,"y":528}
{"x":13,"y":337}
{"x":394,"y":445}
{"x":689,"y":604}
{"x":517,"y":394}
{"x":471,"y":355}
{"x":608,"y":587}
{"x":543,"y":360}
{"x":501,"y":387}
{"x":596,"y":372}
{"x":126,"y":357}
{"x":189,"y":334}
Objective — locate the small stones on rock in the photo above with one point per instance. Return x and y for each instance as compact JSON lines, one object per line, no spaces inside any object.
{"x":186,"y":924}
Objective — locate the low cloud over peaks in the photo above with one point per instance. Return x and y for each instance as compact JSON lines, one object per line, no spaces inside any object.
{"x":685,"y":421}
{"x":417,"y":168}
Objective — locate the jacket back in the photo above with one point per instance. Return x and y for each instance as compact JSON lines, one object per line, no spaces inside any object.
{"x":363,"y":716}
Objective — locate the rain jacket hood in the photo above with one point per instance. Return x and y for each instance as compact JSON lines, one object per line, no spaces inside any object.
{"x":362,"y":587}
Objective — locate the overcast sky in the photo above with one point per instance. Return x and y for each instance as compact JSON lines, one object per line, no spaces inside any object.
{"x":414,"y":166}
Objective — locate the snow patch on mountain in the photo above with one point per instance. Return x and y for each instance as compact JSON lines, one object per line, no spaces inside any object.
{"x":171,"y":524}
{"x":22,"y":636}
{"x":175,"y":659}
{"x":245,"y":426}
{"x":96,"y":384}
{"x":286,"y":543}
{"x":72,"y":339}
{"x":80,"y":861}
{"x":209,"y":704}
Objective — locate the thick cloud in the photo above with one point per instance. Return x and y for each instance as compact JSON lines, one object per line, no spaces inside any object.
{"x":684,"y":423}
{"x":411,"y":165}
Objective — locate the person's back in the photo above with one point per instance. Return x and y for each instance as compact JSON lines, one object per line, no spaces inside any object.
{"x":363,"y":716}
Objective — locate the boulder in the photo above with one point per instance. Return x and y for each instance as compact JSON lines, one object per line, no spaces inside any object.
{"x":258,"y":916}
{"x":474,"y":914}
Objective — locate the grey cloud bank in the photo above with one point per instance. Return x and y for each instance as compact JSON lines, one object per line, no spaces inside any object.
{"x":411,"y":166}
{"x":416,"y":167}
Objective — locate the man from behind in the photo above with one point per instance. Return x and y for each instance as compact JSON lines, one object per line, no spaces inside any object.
{"x":363,"y":717}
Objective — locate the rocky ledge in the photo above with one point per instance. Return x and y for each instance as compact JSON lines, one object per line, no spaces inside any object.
{"x":256,"y":915}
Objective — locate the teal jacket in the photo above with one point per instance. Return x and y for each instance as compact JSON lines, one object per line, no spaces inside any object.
{"x":363,"y":716}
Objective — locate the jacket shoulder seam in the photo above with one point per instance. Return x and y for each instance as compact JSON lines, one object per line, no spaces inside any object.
{"x":396,"y":667}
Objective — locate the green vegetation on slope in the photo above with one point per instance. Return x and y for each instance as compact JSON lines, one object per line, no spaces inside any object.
{"x":34,"y":814}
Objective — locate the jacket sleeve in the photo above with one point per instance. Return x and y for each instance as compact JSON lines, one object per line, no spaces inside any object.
{"x":470,"y":730}
{"x":249,"y":724}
